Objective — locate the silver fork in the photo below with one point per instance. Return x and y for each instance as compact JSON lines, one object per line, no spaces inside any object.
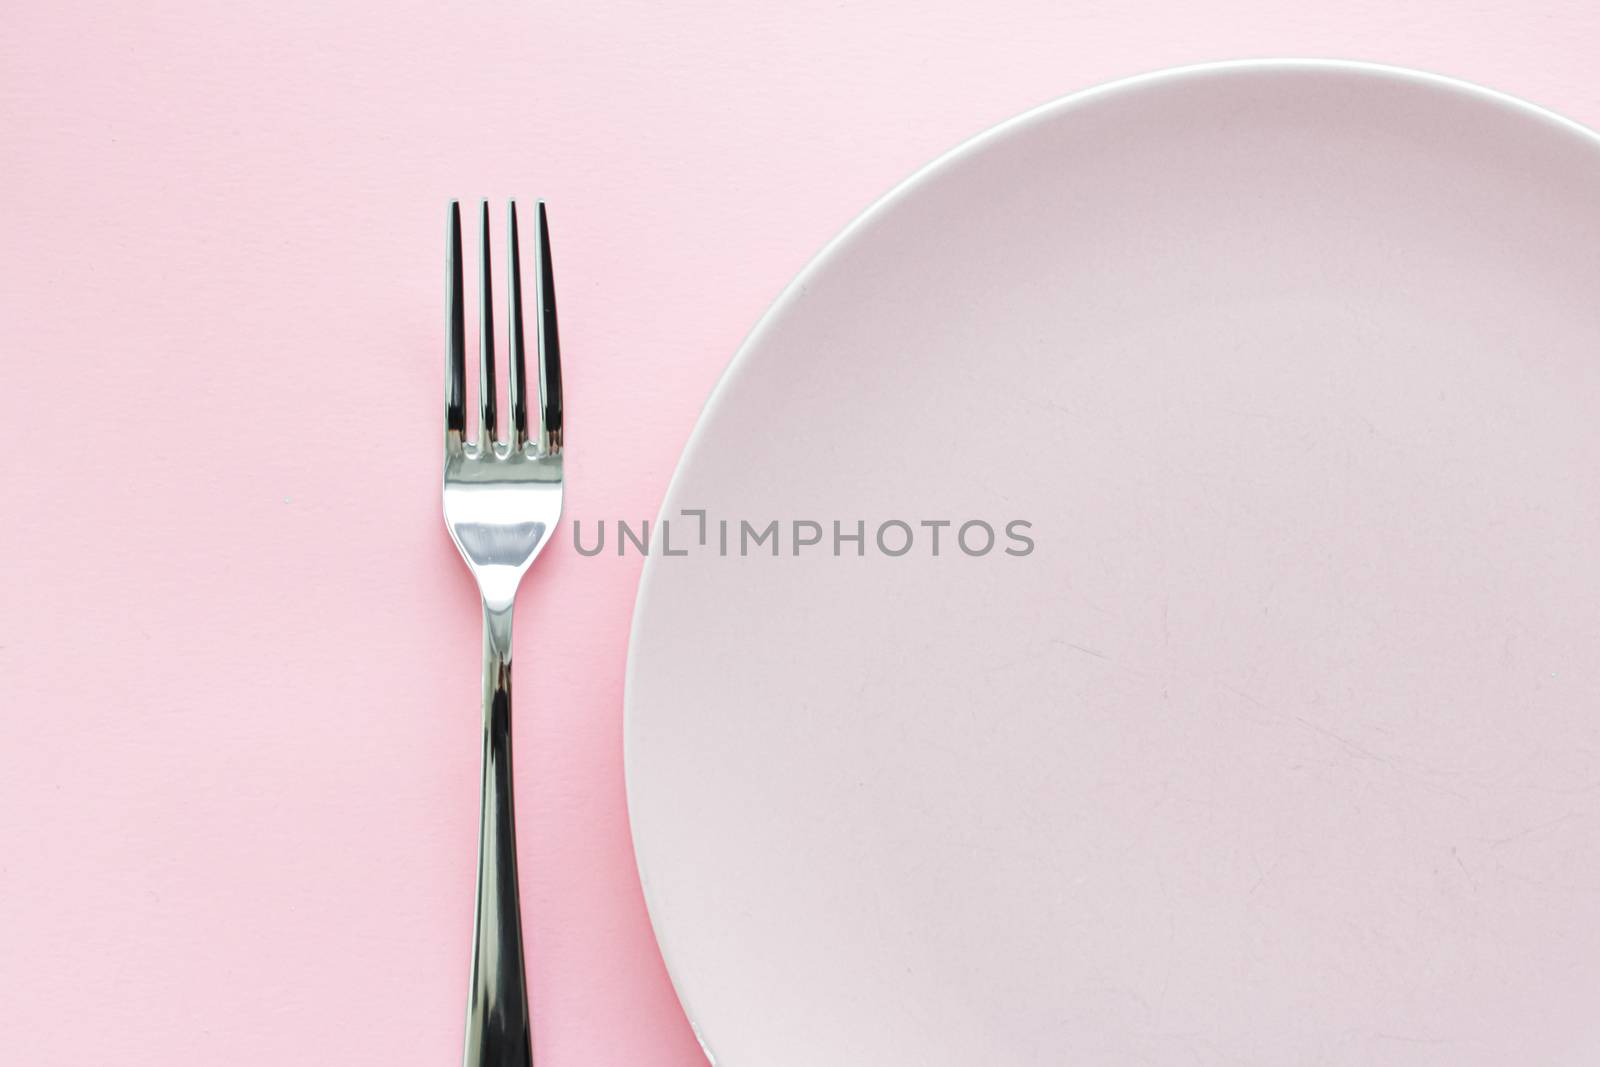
{"x":502,"y":498}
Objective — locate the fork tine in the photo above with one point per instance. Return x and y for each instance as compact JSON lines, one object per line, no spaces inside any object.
{"x":550,"y":430}
{"x":519,"y":349}
{"x":488,"y":410}
{"x":455,"y":362}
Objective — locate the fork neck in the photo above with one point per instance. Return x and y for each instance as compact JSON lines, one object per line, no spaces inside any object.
{"x":497,"y":630}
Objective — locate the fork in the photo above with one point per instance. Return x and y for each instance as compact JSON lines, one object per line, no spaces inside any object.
{"x":502,"y":498}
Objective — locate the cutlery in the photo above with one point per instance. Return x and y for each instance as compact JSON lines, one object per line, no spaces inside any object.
{"x":502,"y":498}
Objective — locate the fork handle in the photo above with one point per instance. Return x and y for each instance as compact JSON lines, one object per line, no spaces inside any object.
{"x":498,"y":1032}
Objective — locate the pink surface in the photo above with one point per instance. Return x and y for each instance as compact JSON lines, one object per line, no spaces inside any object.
{"x":238,"y":766}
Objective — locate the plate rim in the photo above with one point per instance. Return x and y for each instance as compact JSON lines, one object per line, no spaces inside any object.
{"x":863,"y":221}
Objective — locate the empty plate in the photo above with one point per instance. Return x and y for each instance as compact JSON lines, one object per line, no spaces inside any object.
{"x":1247,"y":708}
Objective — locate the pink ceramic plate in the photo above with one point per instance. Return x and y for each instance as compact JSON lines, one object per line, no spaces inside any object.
{"x":1282,"y":744}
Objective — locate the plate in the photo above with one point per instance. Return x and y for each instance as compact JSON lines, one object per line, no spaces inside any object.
{"x":1247,"y":710}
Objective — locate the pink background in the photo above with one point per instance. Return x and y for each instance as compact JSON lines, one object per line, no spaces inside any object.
{"x":238,"y":654}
